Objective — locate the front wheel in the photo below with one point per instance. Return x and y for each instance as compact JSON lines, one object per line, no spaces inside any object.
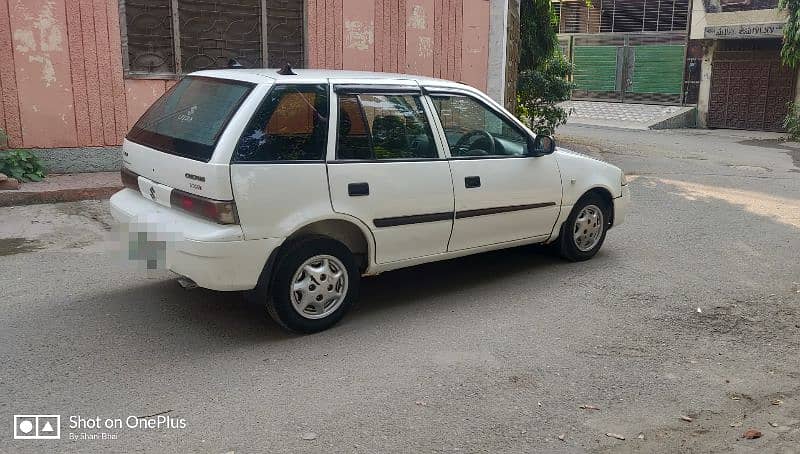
{"x":315,"y":283}
{"x":584,"y":231}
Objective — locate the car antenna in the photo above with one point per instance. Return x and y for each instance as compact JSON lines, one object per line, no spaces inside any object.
{"x":287,"y":70}
{"x":234,"y":64}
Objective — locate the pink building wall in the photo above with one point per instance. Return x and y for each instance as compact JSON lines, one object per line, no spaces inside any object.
{"x":61,"y":77}
{"x":440,"y":38}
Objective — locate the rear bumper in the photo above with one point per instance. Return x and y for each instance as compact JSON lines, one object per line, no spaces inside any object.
{"x":215,"y":256}
{"x":621,"y":206}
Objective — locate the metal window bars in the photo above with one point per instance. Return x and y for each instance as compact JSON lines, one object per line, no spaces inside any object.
{"x":171,"y":37}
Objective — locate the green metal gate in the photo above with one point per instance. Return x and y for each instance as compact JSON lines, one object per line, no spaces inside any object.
{"x":596,"y":68}
{"x":641,"y":67}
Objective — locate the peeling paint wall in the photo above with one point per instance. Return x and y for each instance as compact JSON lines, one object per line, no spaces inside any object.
{"x":41,"y":64}
{"x":440,"y":38}
{"x":61,"y":76}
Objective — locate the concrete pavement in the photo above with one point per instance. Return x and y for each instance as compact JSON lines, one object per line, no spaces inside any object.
{"x":629,"y":115}
{"x":69,"y":187}
{"x":690,"y":309}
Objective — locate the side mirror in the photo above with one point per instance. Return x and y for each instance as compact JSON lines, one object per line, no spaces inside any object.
{"x":541,"y":145}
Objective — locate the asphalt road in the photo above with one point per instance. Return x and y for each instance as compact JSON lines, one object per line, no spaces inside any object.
{"x":691,"y":309}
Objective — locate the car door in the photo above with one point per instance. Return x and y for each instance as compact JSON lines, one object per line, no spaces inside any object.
{"x":388,"y":170}
{"x":501,"y":193}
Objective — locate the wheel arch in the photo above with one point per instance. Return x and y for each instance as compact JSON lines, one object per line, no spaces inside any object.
{"x":349,"y":231}
{"x":605,"y":194}
{"x":569,"y":204}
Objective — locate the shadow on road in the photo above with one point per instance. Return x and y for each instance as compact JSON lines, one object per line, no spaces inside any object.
{"x":410,"y":286}
{"x":162,"y":308}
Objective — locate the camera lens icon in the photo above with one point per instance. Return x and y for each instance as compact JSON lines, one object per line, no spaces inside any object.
{"x":26,"y":426}
{"x":37,"y":427}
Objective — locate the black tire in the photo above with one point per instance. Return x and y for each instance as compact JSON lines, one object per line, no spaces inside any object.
{"x":567,"y":246}
{"x":279,"y":300}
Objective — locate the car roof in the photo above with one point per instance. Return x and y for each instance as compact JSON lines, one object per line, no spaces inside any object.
{"x":270,"y":75}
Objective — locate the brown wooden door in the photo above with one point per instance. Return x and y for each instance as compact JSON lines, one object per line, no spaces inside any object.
{"x":750,"y":89}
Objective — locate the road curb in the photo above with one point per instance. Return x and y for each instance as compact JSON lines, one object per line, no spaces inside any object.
{"x":22,"y":197}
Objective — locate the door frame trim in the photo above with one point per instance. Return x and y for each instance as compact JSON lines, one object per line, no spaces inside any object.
{"x":504,"y":209}
{"x":395,"y":221}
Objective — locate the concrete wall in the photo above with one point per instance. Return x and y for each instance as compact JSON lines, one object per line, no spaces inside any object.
{"x":61,"y":74}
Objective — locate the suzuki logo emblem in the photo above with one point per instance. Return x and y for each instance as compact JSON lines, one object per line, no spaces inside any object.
{"x":152,"y":193}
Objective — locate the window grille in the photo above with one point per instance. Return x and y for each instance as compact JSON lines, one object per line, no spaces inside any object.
{"x":172,"y":37}
{"x":616,"y":16}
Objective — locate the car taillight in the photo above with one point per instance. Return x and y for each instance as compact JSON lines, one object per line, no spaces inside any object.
{"x":129,"y":179}
{"x":221,"y":212}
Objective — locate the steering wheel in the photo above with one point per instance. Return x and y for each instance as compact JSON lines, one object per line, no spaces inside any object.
{"x":464,"y":143}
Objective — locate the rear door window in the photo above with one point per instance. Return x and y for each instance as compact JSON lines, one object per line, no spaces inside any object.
{"x":188,"y":120}
{"x":378,"y":127}
{"x":290,"y":125}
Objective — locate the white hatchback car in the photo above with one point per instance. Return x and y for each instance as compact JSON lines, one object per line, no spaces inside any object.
{"x":293,"y":185}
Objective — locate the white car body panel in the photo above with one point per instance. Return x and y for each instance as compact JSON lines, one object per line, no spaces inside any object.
{"x":397,"y":189}
{"x":581,"y":173}
{"x":214,"y":256}
{"x":170,"y":170}
{"x":505,"y":182}
{"x":274,"y":201}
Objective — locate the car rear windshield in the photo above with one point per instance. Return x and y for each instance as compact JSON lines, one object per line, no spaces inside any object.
{"x":188,"y":120}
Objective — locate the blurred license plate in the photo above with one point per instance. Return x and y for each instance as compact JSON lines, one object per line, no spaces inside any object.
{"x":152,"y":252}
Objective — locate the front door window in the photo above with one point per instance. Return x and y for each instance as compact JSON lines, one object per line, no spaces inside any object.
{"x":473,"y":130}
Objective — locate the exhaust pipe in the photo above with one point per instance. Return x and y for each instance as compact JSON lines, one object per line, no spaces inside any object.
{"x":187,"y":283}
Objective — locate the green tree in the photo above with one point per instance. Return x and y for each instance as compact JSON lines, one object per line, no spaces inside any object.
{"x":538,"y":33}
{"x":790,"y":52}
{"x":790,"y":55}
{"x":543,"y":80}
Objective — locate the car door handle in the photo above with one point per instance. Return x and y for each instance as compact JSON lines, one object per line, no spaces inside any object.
{"x":472,"y":182}
{"x":358,"y":189}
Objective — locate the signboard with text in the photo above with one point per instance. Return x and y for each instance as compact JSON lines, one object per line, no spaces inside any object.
{"x":745,"y":31}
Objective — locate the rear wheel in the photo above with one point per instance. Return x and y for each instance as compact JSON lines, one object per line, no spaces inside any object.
{"x":584,"y":231}
{"x":315,"y":283}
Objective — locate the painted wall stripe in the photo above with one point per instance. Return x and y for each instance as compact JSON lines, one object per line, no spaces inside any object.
{"x":311,"y":36}
{"x":459,"y":33}
{"x":75,"y":43}
{"x":117,"y":84}
{"x":330,"y":40}
{"x":437,"y":38}
{"x":104,"y":71}
{"x":402,"y":44}
{"x":90,"y":73}
{"x":10,"y":98}
{"x":380,"y":37}
{"x":338,"y":35}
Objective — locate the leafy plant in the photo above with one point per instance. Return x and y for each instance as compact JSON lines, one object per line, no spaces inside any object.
{"x":539,"y":93}
{"x":538,"y":34}
{"x":792,"y":122}
{"x":21,"y":164}
{"x":543,"y":80}
{"x":790,"y":52}
{"x":790,"y":55}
